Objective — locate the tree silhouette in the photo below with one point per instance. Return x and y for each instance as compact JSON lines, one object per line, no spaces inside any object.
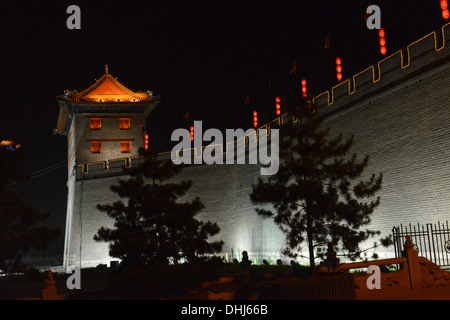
{"x":21,"y":227}
{"x":153,"y":230}
{"x":314,"y":197}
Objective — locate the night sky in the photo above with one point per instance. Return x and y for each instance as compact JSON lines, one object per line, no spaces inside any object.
{"x":205,"y":57}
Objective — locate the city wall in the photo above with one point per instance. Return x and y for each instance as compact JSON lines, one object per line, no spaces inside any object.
{"x":399,"y":113}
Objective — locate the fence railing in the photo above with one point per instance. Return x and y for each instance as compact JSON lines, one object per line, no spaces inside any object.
{"x":341,"y":287}
{"x":431,"y":241}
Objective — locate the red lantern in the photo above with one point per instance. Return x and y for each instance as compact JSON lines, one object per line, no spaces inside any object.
{"x":382,"y":35}
{"x":338,"y":69}
{"x":445,"y":14}
{"x":277,"y":105}
{"x":444,"y":4}
{"x":304,"y":95}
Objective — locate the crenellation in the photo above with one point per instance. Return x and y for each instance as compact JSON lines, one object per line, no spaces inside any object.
{"x":340,"y":90}
{"x":446,"y":36}
{"x":364,"y":80}
{"x":422,"y":46}
{"x":390,"y":65}
{"x":322,"y":100}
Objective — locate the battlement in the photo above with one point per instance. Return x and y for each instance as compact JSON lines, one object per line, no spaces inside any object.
{"x":105,"y":168}
{"x":422,"y":55}
{"x":418,"y":57}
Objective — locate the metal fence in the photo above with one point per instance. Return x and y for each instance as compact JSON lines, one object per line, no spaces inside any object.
{"x":431,"y":240}
{"x":336,"y":287}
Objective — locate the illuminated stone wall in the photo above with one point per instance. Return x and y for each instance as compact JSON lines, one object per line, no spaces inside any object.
{"x":399,"y":112}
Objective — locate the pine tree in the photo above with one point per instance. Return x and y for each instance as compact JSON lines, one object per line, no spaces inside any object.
{"x":316,"y":197}
{"x":21,"y":226}
{"x":152,"y":229}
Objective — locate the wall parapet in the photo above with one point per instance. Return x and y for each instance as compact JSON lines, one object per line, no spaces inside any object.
{"x":416,"y":56}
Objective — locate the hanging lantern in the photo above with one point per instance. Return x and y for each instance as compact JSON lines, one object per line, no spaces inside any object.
{"x":277,"y":105}
{"x":382,"y":35}
{"x":444,"y":7}
{"x":146,"y":141}
{"x":338,"y":69}
{"x":304,"y":95}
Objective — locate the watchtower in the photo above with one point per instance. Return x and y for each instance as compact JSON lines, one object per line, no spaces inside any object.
{"x":104,"y":124}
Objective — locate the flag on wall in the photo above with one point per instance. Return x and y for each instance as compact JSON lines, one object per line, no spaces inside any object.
{"x":294,"y":67}
{"x":247,"y":100}
{"x":327,"y":41}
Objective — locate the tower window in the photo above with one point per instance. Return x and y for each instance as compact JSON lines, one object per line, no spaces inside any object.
{"x":96,"y":146}
{"x":125,"y":146}
{"x":96,"y":123}
{"x":124,"y":123}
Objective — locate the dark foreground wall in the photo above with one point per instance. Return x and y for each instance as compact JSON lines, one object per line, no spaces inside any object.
{"x":399,"y":112}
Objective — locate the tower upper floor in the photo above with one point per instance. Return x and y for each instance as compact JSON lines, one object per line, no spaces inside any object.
{"x":105,"y":121}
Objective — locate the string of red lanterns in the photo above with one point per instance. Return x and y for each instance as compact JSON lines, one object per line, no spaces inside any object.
{"x":146,"y":141}
{"x":304,"y":88}
{"x":444,"y":7}
{"x":192,"y":133}
{"x":277,"y":105}
{"x":382,"y":35}
{"x":339,"y":68}
{"x":255,"y":119}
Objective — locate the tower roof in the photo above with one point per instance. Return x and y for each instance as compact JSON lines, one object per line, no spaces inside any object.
{"x":106,"y":95}
{"x":107,"y":89}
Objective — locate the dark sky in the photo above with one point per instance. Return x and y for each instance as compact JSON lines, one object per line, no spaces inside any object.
{"x":204,"y":57}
